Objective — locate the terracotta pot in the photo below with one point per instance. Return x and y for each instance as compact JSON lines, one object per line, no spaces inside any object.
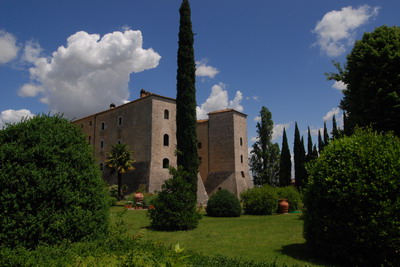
{"x":151,"y":207}
{"x":138,"y":197}
{"x":128,"y":206}
{"x":283,"y":206}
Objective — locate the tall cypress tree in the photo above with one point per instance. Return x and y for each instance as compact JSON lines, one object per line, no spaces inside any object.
{"x":326,"y":135}
{"x":309,"y":143}
{"x":320,"y":142}
{"x":186,"y":135}
{"x":304,"y":176}
{"x":335,"y":131}
{"x":297,"y":157}
{"x":285,"y":165}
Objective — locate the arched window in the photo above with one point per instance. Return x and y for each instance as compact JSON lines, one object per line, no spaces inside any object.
{"x":241,"y":141}
{"x":165,"y":163}
{"x":101,"y":144}
{"x":103,"y":126}
{"x":241,"y":158}
{"x":166,"y":140}
{"x":166,"y":114}
{"x":242,"y":172}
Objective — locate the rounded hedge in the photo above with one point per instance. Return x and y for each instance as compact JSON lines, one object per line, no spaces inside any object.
{"x":51,"y":188}
{"x":260,"y":200}
{"x":223,"y":204}
{"x":353,"y":200}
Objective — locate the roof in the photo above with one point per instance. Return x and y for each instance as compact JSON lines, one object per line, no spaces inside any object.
{"x":226,"y":110}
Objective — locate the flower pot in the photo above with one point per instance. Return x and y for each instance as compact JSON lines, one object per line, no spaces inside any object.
{"x":283,"y":206}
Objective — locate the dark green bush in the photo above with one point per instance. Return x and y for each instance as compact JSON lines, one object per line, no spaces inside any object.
{"x":223,"y":204}
{"x":293,"y":196}
{"x":149,"y":199}
{"x":260,"y":200}
{"x":175,"y":206}
{"x":353,"y":200}
{"x":51,"y":189}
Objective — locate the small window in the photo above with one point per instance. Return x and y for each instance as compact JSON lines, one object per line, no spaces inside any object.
{"x":165,"y":163}
{"x":101,"y":144}
{"x":199,"y":160}
{"x":119,"y":141}
{"x":199,"y":145}
{"x":82,"y":125}
{"x":103,"y":125}
{"x":119,"y":121}
{"x":166,"y":114}
{"x":241,"y":141}
{"x":90,"y":139}
{"x":90,"y":123}
{"x":241,"y":158}
{"x":242,"y":172}
{"x":166,"y":140}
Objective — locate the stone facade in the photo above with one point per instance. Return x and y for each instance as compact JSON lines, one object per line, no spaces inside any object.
{"x":147,"y":125}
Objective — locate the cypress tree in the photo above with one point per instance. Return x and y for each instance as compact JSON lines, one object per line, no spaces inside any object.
{"x":303,"y":171}
{"x":326,"y":135}
{"x":320,"y":142}
{"x":335,"y":131}
{"x":309,"y":143}
{"x":297,"y":157}
{"x":186,"y":135}
{"x":285,"y":166}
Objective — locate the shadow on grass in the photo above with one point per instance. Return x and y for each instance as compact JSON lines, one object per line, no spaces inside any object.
{"x":304,"y":253}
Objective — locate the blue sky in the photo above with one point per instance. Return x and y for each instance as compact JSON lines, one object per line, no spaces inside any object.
{"x":76,"y":57}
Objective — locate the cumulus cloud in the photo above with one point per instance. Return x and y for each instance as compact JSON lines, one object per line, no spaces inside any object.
{"x":329,"y":115}
{"x":339,"y":85}
{"x":203,"y":70}
{"x":217,"y":100}
{"x":314,"y":131}
{"x":89,"y":73}
{"x":278,"y":130}
{"x":8,"y":47}
{"x":336,"y":31}
{"x":13,"y":116}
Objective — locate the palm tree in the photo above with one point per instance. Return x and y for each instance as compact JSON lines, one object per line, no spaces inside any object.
{"x":120,"y":159}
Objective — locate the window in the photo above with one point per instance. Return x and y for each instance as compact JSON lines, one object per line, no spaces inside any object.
{"x":166,"y":140}
{"x":199,"y":160}
{"x":119,"y":141}
{"x":241,"y":158}
{"x":119,"y":121}
{"x":242,"y":172}
{"x":90,"y":139}
{"x":165,"y":163}
{"x":241,"y":141}
{"x":166,"y":114}
{"x":101,"y":144}
{"x":103,"y":126}
{"x":199,"y":145}
{"x":82,"y":125}
{"x":90,"y":123}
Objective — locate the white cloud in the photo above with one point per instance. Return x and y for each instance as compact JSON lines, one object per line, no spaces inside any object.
{"x":339,"y":85}
{"x":8,"y":47}
{"x":277,"y":131}
{"x":254,"y":139}
{"x":13,"y":116}
{"x":89,"y":73}
{"x":217,"y":100}
{"x":257,"y":118}
{"x":314,"y":131}
{"x":202,"y":70}
{"x":336,"y":31}
{"x":329,"y":115}
{"x":32,"y":51}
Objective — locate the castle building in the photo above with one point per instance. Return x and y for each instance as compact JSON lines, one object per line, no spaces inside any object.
{"x":148,"y":126}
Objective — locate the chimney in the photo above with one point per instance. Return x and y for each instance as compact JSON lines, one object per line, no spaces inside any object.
{"x":144,"y":93}
{"x":112,"y":105}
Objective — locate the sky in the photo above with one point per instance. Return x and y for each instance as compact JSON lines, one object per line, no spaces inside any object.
{"x":77,"y":57}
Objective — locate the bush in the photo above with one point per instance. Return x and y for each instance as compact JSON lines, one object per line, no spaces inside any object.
{"x":51,"y":189}
{"x":260,"y":200}
{"x":353,"y":200}
{"x":294,"y":197}
{"x":149,"y":199}
{"x":175,"y":206}
{"x":223,"y":204}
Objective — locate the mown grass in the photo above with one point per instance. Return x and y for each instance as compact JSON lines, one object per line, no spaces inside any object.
{"x":276,"y":238}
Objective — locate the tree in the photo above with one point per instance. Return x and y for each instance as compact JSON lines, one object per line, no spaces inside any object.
{"x":186,"y":135}
{"x":371,"y":74}
{"x":320,"y":142}
{"x":120,"y":160}
{"x":326,"y":135}
{"x":51,"y":187}
{"x":298,"y":150}
{"x":264,"y":160}
{"x":335,"y":131}
{"x":285,"y":165}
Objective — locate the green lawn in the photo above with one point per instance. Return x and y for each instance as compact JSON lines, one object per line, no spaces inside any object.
{"x":260,"y":238}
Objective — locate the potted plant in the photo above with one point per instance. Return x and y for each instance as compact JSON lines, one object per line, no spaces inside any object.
{"x":128,"y":204}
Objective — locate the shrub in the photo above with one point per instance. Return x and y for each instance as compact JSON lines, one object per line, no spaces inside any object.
{"x":51,"y":189}
{"x":223,"y":204}
{"x":260,"y":200}
{"x":149,"y":199}
{"x":294,"y":197}
{"x":353,"y":200}
{"x":175,"y":206}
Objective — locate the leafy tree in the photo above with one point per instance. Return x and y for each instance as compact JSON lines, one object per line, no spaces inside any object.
{"x":120,"y":160}
{"x":264,"y":160}
{"x":352,"y":200}
{"x":371,"y":74}
{"x":186,"y":134}
{"x":51,"y":188}
{"x":285,"y":165}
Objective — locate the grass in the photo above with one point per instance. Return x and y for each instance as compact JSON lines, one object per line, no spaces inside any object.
{"x":276,"y":238}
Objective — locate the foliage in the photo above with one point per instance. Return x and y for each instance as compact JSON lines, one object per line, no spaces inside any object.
{"x":293,"y":196}
{"x":264,"y":160}
{"x":120,"y":160}
{"x":299,"y":159}
{"x":285,"y":164}
{"x":175,"y":206}
{"x":186,"y":121}
{"x":149,"y":199}
{"x":260,"y":200}
{"x":223,"y":204}
{"x":353,"y":200}
{"x":371,"y":75}
{"x":51,"y":189}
